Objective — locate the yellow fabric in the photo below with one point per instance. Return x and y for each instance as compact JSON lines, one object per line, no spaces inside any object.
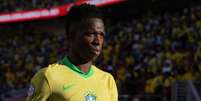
{"x":148,"y":88}
{"x":158,"y":80}
{"x":154,"y":64}
{"x":177,"y":57}
{"x":188,"y":76}
{"x":168,"y":81}
{"x":60,"y":83}
{"x":198,"y":54}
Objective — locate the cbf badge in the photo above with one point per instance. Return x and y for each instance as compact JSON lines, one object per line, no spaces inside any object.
{"x":90,"y":96}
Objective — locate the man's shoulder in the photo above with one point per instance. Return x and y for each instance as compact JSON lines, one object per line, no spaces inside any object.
{"x":55,"y":66}
{"x":100,"y":72}
{"x":51,"y":69}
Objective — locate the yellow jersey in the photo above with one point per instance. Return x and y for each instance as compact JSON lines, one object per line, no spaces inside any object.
{"x":65,"y":82}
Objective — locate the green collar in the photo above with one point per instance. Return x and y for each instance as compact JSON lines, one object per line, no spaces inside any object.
{"x":65,"y":61}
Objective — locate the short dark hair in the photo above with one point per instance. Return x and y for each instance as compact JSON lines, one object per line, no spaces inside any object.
{"x":81,"y":12}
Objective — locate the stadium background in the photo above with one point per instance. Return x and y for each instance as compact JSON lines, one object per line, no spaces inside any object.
{"x":152,"y":48}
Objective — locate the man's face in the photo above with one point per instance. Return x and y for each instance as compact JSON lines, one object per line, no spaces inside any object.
{"x":88,"y":39}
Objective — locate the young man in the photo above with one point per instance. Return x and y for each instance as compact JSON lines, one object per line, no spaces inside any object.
{"x":75,"y":78}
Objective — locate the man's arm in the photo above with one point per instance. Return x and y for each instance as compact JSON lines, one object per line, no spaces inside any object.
{"x":39,"y":89}
{"x":113,"y":89}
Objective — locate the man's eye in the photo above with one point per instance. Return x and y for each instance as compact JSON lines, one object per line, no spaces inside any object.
{"x":102,"y":34}
{"x":90,"y":34}
{"x":94,"y":33}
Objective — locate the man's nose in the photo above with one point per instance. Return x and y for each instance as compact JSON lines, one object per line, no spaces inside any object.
{"x":97,"y":39}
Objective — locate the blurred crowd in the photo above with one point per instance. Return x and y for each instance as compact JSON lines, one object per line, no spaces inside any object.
{"x":148,"y":54}
{"x":145,"y":55}
{"x":8,"y":6}
{"x":23,"y":53}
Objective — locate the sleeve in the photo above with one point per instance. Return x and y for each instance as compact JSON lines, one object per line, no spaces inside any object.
{"x":39,"y":89}
{"x":113,"y":89}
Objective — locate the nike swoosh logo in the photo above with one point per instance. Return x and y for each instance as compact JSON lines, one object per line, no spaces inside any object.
{"x":66,"y":87}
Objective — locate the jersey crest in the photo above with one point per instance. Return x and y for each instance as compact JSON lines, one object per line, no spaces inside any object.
{"x":90,"y":97}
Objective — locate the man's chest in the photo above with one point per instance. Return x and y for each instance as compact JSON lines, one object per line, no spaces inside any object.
{"x":80,"y":90}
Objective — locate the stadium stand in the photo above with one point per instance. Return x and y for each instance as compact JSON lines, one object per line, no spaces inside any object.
{"x":8,"y":6}
{"x":145,"y":54}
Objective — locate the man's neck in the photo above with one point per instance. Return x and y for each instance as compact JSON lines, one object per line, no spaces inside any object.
{"x":85,"y":67}
{"x":81,"y":64}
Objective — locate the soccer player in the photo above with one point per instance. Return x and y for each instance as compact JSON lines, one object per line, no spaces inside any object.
{"x":74,"y":78}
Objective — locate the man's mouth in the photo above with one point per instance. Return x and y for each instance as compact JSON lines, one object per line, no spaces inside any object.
{"x":96,"y":49}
